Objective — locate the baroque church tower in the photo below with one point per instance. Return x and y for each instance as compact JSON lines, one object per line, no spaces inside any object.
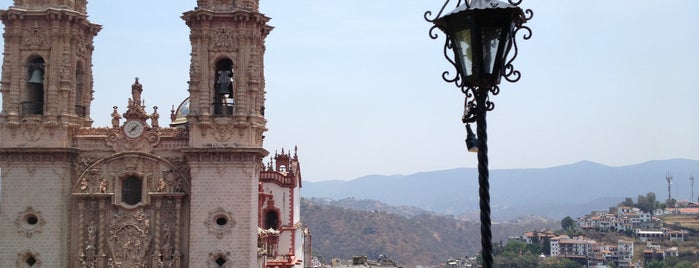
{"x":226,"y":123}
{"x":46,"y":88}
{"x":137,"y":193}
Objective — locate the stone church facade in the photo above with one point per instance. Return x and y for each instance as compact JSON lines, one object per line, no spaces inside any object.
{"x":193,"y":193}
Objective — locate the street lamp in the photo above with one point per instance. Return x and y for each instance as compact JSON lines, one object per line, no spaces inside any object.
{"x":480,"y":35}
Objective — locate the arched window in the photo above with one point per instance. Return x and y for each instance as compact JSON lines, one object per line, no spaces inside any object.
{"x":79,"y":90}
{"x":33,"y":97}
{"x":271,"y":220}
{"x":131,"y":190}
{"x":223,"y":87}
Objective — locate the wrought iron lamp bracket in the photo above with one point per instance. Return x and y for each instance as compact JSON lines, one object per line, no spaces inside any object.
{"x":474,"y":103}
{"x":477,"y":102}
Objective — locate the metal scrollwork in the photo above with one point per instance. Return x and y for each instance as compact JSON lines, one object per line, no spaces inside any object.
{"x":473,"y":100}
{"x":477,"y":102}
{"x":508,"y":71}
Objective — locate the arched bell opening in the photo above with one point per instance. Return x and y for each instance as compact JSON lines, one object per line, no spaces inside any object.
{"x":272,"y":220}
{"x":33,"y":97}
{"x":223,"y":87}
{"x":80,"y":105}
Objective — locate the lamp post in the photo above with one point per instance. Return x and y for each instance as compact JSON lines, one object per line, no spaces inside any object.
{"x":480,"y":35}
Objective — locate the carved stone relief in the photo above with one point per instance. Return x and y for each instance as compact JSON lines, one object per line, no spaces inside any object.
{"x":220,"y":222}
{"x":219,"y":259}
{"x":222,"y":129}
{"x":126,"y":235}
{"x":32,"y":129}
{"x":129,"y":239}
{"x":29,"y":222}
{"x":28,"y":259}
{"x":36,"y":37}
{"x":222,"y":39}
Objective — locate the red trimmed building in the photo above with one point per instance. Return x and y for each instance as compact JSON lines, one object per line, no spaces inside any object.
{"x":282,"y":236}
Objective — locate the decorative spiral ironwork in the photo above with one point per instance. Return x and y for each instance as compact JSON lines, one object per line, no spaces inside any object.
{"x":476,"y":105}
{"x":508,"y":71}
{"x":439,"y":14}
{"x":484,"y":192}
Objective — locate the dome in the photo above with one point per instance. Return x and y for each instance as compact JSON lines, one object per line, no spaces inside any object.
{"x":181,"y":114}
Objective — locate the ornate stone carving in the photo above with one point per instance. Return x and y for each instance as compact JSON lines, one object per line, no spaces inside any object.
{"x":129,"y":240}
{"x":168,"y":256}
{"x":222,"y":129}
{"x":154,"y":118}
{"x":115,"y":117}
{"x":32,"y":129}
{"x":219,"y":259}
{"x":220,"y":222}
{"x":29,"y":222}
{"x":170,"y":182}
{"x":103,"y":131}
{"x":28,"y":259}
{"x":36,"y":37}
{"x":88,"y":257}
{"x":144,"y":143}
{"x":93,"y":182}
{"x":36,"y":157}
{"x":66,"y":69}
{"x":222,"y":39}
{"x":31,"y":170}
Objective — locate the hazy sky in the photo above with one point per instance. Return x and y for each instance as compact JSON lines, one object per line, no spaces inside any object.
{"x":357,"y":84}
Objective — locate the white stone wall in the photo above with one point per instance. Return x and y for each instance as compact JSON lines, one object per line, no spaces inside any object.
{"x":299,"y":246}
{"x":297,"y":204}
{"x":45,"y":188}
{"x":231,"y":187}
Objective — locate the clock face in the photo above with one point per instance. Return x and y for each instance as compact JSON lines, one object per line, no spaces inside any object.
{"x":133,"y":129}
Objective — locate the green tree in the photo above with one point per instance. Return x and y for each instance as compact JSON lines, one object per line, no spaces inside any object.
{"x":514,"y":248}
{"x":647,"y":203}
{"x":568,"y":223}
{"x":519,"y":261}
{"x":655,"y":264}
{"x":683,"y":264}
{"x":670,"y":203}
{"x":556,"y":262}
{"x":535,"y":248}
{"x":628,"y":202}
{"x":546,"y":246}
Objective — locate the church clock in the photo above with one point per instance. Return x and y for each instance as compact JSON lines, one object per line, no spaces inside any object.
{"x":133,"y":129}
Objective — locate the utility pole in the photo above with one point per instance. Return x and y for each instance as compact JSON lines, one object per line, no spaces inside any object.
{"x":669,"y":185}
{"x":691,"y":180}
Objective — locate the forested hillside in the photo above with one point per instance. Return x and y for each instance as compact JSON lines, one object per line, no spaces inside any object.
{"x":408,"y":240}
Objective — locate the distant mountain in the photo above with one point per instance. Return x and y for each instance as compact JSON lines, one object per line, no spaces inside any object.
{"x":568,"y":190}
{"x":370,"y":206}
{"x":421,"y":239}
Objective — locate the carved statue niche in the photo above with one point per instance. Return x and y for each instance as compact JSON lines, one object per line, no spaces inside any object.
{"x":129,"y":239}
{"x":92,"y":182}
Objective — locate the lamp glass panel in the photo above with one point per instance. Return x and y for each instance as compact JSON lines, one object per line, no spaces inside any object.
{"x":464,"y":50}
{"x":491,"y":41}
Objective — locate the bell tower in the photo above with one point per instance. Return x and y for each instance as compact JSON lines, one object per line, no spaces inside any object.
{"x":226,"y":125}
{"x":227,"y":73}
{"x":46,"y":87}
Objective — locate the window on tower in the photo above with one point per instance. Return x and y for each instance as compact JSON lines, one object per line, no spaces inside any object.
{"x":33,"y":97}
{"x":271,"y":220}
{"x":224,"y":84}
{"x":80,"y":109}
{"x":131,"y":190}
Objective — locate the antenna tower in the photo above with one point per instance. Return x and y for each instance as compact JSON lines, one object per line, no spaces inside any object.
{"x":691,"y":180}
{"x":668,"y":177}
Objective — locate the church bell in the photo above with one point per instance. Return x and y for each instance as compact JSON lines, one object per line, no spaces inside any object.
{"x":224,"y":83}
{"x":222,"y":88}
{"x":37,"y":77}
